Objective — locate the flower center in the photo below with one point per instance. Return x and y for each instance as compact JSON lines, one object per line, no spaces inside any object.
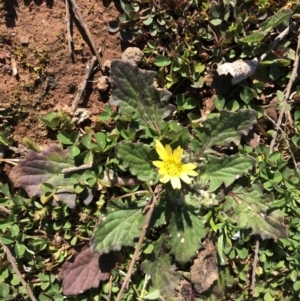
{"x":173,"y":168}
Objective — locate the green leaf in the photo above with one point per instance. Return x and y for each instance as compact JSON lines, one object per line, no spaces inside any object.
{"x":152,"y":295}
{"x":216,"y":22}
{"x":225,"y":170}
{"x":226,"y":128}
{"x":248,"y":207}
{"x":246,"y":95}
{"x":185,"y":103}
{"x":74,"y":151}
{"x":133,"y":91}
{"x":51,"y":120}
{"x":254,"y":37}
{"x":163,"y":275}
{"x":4,"y":290}
{"x":137,"y":157}
{"x":219,"y":102}
{"x":64,"y":138}
{"x":161,"y":61}
{"x":101,"y":139}
{"x":120,"y":228}
{"x":281,"y":16}
{"x":186,"y":230}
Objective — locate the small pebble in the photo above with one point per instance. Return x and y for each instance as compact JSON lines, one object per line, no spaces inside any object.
{"x":133,"y":55}
{"x":103,"y":84}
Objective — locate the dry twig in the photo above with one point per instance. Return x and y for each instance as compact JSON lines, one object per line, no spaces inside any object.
{"x":82,"y":86}
{"x":70,"y":38}
{"x":11,"y":259}
{"x":255,"y":260}
{"x":155,"y":199}
{"x":76,"y":168}
{"x":286,"y":95}
{"x":2,"y":208}
{"x":87,"y":31}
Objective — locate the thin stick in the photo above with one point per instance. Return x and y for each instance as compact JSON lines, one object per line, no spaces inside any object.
{"x":109,"y":288}
{"x":5,"y":210}
{"x":278,"y":39}
{"x":70,"y":38}
{"x":255,"y":260}
{"x":11,"y":259}
{"x":82,"y":86}
{"x":141,"y":239}
{"x":286,"y":95}
{"x":75,"y":168}
{"x":87,"y":32}
{"x":11,"y":161}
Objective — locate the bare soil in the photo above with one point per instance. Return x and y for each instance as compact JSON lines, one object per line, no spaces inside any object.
{"x":34,"y":35}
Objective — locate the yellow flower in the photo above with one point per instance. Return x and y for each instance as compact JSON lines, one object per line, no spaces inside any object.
{"x":171,"y":168}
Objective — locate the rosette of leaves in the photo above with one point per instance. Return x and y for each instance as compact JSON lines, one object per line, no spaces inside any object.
{"x":181,"y":218}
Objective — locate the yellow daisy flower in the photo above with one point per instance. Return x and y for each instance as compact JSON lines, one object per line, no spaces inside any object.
{"x":171,"y":168}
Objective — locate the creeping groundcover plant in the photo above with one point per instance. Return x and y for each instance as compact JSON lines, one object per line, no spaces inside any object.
{"x":165,"y":194}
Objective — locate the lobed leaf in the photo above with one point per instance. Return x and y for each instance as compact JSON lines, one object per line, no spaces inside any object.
{"x":186,"y":230}
{"x":225,"y":170}
{"x":137,"y":157}
{"x":248,"y":207}
{"x":133,"y":91}
{"x":120,"y":228}
{"x":226,"y":128}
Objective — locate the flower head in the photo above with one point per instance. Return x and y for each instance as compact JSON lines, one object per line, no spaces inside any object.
{"x":171,"y":168}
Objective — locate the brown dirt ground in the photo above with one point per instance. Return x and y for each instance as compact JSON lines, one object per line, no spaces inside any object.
{"x":34,"y":34}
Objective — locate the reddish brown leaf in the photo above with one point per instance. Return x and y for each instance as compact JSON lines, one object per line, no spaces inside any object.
{"x":87,"y":271}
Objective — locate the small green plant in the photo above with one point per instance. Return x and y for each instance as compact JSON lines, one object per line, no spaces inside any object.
{"x":198,"y":190}
{"x":158,"y":198}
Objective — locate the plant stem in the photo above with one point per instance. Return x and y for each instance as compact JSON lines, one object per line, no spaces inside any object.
{"x":11,"y":259}
{"x":151,"y":207}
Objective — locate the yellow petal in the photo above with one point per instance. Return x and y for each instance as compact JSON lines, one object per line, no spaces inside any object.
{"x":168,"y":151}
{"x":190,"y":173}
{"x":177,"y":154}
{"x":161,"y":150}
{"x":188,"y":166}
{"x":162,"y":171}
{"x":175,"y":181}
{"x":159,"y":164}
{"x":185,"y":178}
{"x":165,"y":178}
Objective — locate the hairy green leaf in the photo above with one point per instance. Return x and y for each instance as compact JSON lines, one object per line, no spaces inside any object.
{"x":281,"y":16}
{"x":133,"y":91}
{"x":137,"y":157}
{"x":163,"y":275}
{"x":186,"y":230}
{"x":254,"y":37}
{"x":248,"y":207}
{"x":120,"y":228}
{"x":225,"y":170}
{"x":226,"y":128}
